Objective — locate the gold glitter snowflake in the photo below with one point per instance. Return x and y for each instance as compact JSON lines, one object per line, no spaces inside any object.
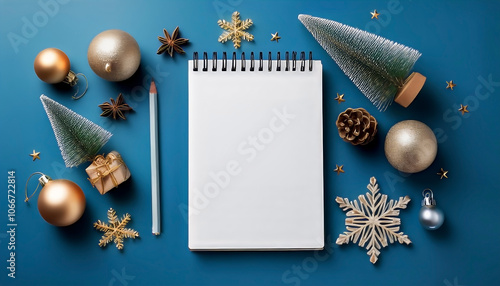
{"x":115,"y":230}
{"x":372,"y":221}
{"x":235,"y":30}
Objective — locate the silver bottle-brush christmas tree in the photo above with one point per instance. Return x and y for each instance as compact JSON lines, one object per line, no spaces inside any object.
{"x":78,"y":138}
{"x":377,"y":66}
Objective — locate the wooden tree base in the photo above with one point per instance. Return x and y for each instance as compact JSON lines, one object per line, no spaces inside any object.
{"x":410,"y":89}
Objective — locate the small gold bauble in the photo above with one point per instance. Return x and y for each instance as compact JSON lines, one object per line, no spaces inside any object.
{"x":410,"y":146}
{"x":61,"y":202}
{"x":52,"y":65}
{"x":114,"y":55}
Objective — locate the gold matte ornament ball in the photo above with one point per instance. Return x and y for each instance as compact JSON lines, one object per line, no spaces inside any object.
{"x":61,"y":202}
{"x":114,"y":55}
{"x":410,"y":146}
{"x":52,"y":65}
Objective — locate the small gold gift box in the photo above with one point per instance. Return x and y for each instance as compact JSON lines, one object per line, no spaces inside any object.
{"x":106,"y":173}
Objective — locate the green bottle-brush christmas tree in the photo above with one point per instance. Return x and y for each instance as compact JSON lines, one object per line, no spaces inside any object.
{"x":377,"y":66}
{"x":78,"y":138}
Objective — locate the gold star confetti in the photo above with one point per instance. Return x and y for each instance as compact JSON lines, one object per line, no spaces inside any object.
{"x":463,"y":109}
{"x":450,"y":84}
{"x":235,"y":30}
{"x":35,"y":155}
{"x":115,"y":229}
{"x":339,"y":169}
{"x":443,"y":174}
{"x":340,"y":98}
{"x":374,"y":14}
{"x":275,"y":37}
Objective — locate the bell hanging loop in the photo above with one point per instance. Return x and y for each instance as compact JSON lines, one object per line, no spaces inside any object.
{"x":42,"y":181}
{"x":428,"y":198}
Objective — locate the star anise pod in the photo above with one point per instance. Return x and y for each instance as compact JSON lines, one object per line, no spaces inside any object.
{"x":115,"y":107}
{"x":170,"y":44}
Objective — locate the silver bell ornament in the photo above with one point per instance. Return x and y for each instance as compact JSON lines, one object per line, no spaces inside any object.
{"x":430,"y":216}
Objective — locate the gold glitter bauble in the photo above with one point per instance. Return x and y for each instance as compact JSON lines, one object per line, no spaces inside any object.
{"x":410,"y":146}
{"x":114,"y":55}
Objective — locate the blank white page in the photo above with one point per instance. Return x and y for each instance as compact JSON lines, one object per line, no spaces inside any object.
{"x":255,"y":158}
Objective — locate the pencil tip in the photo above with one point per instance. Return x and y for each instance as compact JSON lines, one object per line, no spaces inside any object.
{"x":152,"y":89}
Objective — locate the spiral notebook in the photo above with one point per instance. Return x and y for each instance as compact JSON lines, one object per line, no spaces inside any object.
{"x":255,"y":153}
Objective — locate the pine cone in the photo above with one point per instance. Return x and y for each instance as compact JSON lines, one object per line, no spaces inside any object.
{"x":356,"y":126}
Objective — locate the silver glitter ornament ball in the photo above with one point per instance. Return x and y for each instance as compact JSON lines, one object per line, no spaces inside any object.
{"x":114,"y":55}
{"x":410,"y":146}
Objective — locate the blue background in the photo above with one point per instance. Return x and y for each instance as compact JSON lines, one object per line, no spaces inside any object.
{"x":459,"y":41}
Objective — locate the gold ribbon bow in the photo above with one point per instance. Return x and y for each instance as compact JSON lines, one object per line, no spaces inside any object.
{"x":100,"y":161}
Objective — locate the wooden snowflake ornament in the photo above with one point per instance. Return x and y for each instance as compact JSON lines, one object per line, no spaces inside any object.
{"x":115,"y":230}
{"x":372,"y":221}
{"x":235,"y":30}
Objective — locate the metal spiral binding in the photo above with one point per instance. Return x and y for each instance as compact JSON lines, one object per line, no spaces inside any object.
{"x":243,"y":61}
{"x":270,"y":62}
{"x":214,"y":61}
{"x":195,"y":61}
{"x":261,"y":63}
{"x":302,"y":61}
{"x":278,"y":62}
{"x":205,"y":61}
{"x":252,"y":61}
{"x":310,"y":61}
{"x":287,"y":59}
{"x":224,"y":61}
{"x":233,"y":62}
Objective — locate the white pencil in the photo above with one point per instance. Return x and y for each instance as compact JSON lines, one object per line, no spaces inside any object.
{"x":155,"y":166}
